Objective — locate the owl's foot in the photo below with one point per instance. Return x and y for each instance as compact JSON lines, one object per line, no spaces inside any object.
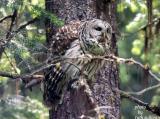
{"x":71,"y":84}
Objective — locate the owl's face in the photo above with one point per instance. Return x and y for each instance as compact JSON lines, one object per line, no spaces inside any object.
{"x":96,"y":33}
{"x":100,"y":30}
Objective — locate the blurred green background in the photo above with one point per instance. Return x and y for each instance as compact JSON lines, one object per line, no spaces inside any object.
{"x":22,"y":56}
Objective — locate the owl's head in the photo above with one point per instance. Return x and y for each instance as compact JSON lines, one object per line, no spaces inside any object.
{"x":94,"y":35}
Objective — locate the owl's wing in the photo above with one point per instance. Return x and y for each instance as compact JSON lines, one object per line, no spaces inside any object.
{"x":52,"y":94}
{"x":65,"y":36}
{"x":62,"y":40}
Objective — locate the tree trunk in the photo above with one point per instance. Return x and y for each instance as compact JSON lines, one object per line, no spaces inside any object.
{"x":81,"y":103}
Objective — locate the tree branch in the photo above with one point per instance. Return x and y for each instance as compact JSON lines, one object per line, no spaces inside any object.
{"x":113,"y":58}
{"x":144,"y":90}
{"x":13,"y":18}
{"x":26,"y":76}
{"x":9,"y":33}
{"x":9,"y":75}
{"x":153,"y":109}
{"x":131,"y":61}
{"x":26,"y":24}
{"x":4,"y":18}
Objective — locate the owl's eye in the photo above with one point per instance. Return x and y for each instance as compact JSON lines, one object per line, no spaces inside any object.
{"x":98,"y":28}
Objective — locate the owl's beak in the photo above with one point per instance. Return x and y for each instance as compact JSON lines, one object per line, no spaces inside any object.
{"x":106,"y":36}
{"x":103,"y":37}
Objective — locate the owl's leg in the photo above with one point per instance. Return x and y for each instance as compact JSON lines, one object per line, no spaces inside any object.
{"x":71,"y":85}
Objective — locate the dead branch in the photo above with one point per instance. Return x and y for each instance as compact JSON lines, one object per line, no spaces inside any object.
{"x":131,"y":61}
{"x":144,"y":90}
{"x":153,"y":109}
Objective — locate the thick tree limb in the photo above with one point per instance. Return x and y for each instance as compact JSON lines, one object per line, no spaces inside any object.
{"x":153,"y":109}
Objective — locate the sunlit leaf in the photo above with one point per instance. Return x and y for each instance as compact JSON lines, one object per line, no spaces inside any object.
{"x":137,"y":43}
{"x":121,"y":7}
{"x":155,"y":68}
{"x":34,"y":2}
{"x":155,"y":100}
{"x":133,"y":7}
{"x":136,"y":51}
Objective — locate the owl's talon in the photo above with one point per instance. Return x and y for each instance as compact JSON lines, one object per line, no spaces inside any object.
{"x":70,"y":84}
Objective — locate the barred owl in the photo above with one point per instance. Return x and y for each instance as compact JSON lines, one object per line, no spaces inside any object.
{"x":90,"y":40}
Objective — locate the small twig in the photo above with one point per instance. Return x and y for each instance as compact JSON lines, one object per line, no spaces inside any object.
{"x":26,"y":24}
{"x":152,"y":22}
{"x":12,"y":65}
{"x":15,"y":76}
{"x":4,"y":18}
{"x":9,"y":75}
{"x":144,"y":90}
{"x":10,"y":33}
{"x":15,"y":70}
{"x":13,"y":18}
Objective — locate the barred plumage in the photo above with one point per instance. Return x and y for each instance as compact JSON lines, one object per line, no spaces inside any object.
{"x":64,"y":36}
{"x":91,"y":41}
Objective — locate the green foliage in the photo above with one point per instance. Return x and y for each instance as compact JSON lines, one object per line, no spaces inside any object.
{"x":19,"y":107}
{"x":27,"y":48}
{"x":39,"y":12}
{"x":26,"y":51}
{"x":132,"y":17}
{"x":137,"y":47}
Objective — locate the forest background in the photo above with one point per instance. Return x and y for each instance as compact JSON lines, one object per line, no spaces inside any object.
{"x":21,"y":55}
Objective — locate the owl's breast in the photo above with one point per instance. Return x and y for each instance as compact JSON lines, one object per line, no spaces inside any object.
{"x":92,"y":67}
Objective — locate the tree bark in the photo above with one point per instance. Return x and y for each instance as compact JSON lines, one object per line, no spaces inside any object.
{"x":81,"y":103}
